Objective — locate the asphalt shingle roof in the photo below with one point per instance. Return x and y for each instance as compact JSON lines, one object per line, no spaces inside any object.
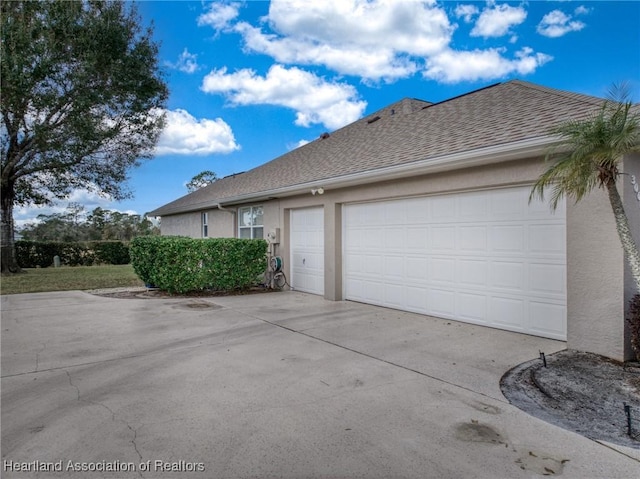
{"x":405,"y":132}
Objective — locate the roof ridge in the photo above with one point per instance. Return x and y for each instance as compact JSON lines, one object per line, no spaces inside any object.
{"x":446,"y":100}
{"x":395,"y":107}
{"x":400,"y":104}
{"x":554,"y":91}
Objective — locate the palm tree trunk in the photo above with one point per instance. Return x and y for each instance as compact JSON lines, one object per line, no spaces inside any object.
{"x":624,"y":232}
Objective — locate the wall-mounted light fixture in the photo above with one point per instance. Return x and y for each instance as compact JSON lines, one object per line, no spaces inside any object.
{"x":317,"y":191}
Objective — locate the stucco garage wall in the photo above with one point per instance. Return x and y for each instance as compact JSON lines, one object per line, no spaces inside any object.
{"x":600,"y":283}
{"x":595,"y":278}
{"x":595,"y":264}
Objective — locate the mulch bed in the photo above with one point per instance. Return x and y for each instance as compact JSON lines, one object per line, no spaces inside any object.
{"x":581,"y":392}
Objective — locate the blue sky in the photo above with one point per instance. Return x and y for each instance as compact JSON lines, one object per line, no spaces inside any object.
{"x":251,"y":80}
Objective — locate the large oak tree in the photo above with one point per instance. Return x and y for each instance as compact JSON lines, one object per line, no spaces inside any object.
{"x":82,"y":102}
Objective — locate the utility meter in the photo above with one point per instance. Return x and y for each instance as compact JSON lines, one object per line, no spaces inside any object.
{"x":273,"y":236}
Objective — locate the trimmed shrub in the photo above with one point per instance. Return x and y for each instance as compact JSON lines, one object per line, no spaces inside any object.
{"x":75,"y":254}
{"x":143,"y":252}
{"x":34,"y":254}
{"x":111,"y":252}
{"x":181,"y":265}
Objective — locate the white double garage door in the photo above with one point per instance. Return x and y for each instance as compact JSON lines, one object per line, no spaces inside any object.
{"x":485,"y":257}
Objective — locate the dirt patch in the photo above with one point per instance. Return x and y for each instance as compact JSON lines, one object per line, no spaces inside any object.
{"x":581,"y":392}
{"x":145,"y":293}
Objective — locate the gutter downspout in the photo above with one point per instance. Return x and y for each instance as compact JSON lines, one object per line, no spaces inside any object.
{"x":222,"y":208}
{"x":234,"y":212}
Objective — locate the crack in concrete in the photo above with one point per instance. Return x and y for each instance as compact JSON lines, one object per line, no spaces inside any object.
{"x":44,"y":346}
{"x":376,"y":358}
{"x":114,"y":417}
{"x":73,"y":385}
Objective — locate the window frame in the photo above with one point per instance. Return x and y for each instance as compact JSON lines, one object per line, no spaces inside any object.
{"x":254,"y":227}
{"x":204,"y":223}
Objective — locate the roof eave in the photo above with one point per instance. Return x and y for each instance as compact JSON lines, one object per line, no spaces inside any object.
{"x":527,"y":148}
{"x":482,"y":156}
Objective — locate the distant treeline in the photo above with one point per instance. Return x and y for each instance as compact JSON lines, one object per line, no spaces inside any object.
{"x":99,"y":225}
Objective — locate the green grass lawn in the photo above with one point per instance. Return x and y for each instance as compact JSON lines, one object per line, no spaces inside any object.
{"x":69,"y":278}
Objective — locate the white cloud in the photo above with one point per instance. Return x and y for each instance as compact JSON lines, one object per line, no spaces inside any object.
{"x":372,"y":64}
{"x":497,"y":20}
{"x":220,"y":15}
{"x":314,"y":99}
{"x":379,"y":40}
{"x":373,"y":40}
{"x":456,"y":66}
{"x":467,"y":12}
{"x":187,"y":135}
{"x":556,"y":24}
{"x":582,"y":10}
{"x":187,"y":62}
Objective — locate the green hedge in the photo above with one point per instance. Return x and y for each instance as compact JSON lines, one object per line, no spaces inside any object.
{"x":180,"y":265}
{"x":33,"y":254}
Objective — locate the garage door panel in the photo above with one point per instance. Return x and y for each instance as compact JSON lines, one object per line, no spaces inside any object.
{"x":394,"y":214}
{"x":538,"y":209}
{"x":394,"y":295}
{"x":373,"y":292}
{"x":507,"y":239}
{"x":472,"y":307}
{"x":545,"y":318}
{"x":416,"y":212}
{"x":443,"y":239}
{"x":507,"y":311}
{"x":507,"y":275}
{"x":481,"y":257}
{"x":442,"y":208}
{"x":472,"y":272}
{"x":417,"y":238}
{"x":442,"y":270}
{"x":372,"y":265}
{"x":508,"y":204}
{"x":394,"y":239}
{"x":472,"y":239}
{"x":393,"y":267}
{"x":547,"y":279}
{"x":416,"y":299}
{"x":547,"y":239}
{"x":472,"y":206}
{"x":417,"y":270}
{"x":442,"y":302}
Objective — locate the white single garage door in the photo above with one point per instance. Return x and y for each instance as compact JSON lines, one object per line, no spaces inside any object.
{"x":307,"y":250}
{"x":483,"y":257}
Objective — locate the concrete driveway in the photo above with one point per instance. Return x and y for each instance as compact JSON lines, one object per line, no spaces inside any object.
{"x":270,"y":385}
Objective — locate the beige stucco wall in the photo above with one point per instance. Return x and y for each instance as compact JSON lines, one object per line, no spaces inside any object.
{"x":595,"y":278}
{"x":221,"y":224}
{"x":595,"y":263}
{"x":599,"y":281}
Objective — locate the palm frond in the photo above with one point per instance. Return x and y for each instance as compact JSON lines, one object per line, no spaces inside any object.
{"x":589,"y":150}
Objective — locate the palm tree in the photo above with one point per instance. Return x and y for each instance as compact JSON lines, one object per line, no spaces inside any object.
{"x":589,"y":154}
